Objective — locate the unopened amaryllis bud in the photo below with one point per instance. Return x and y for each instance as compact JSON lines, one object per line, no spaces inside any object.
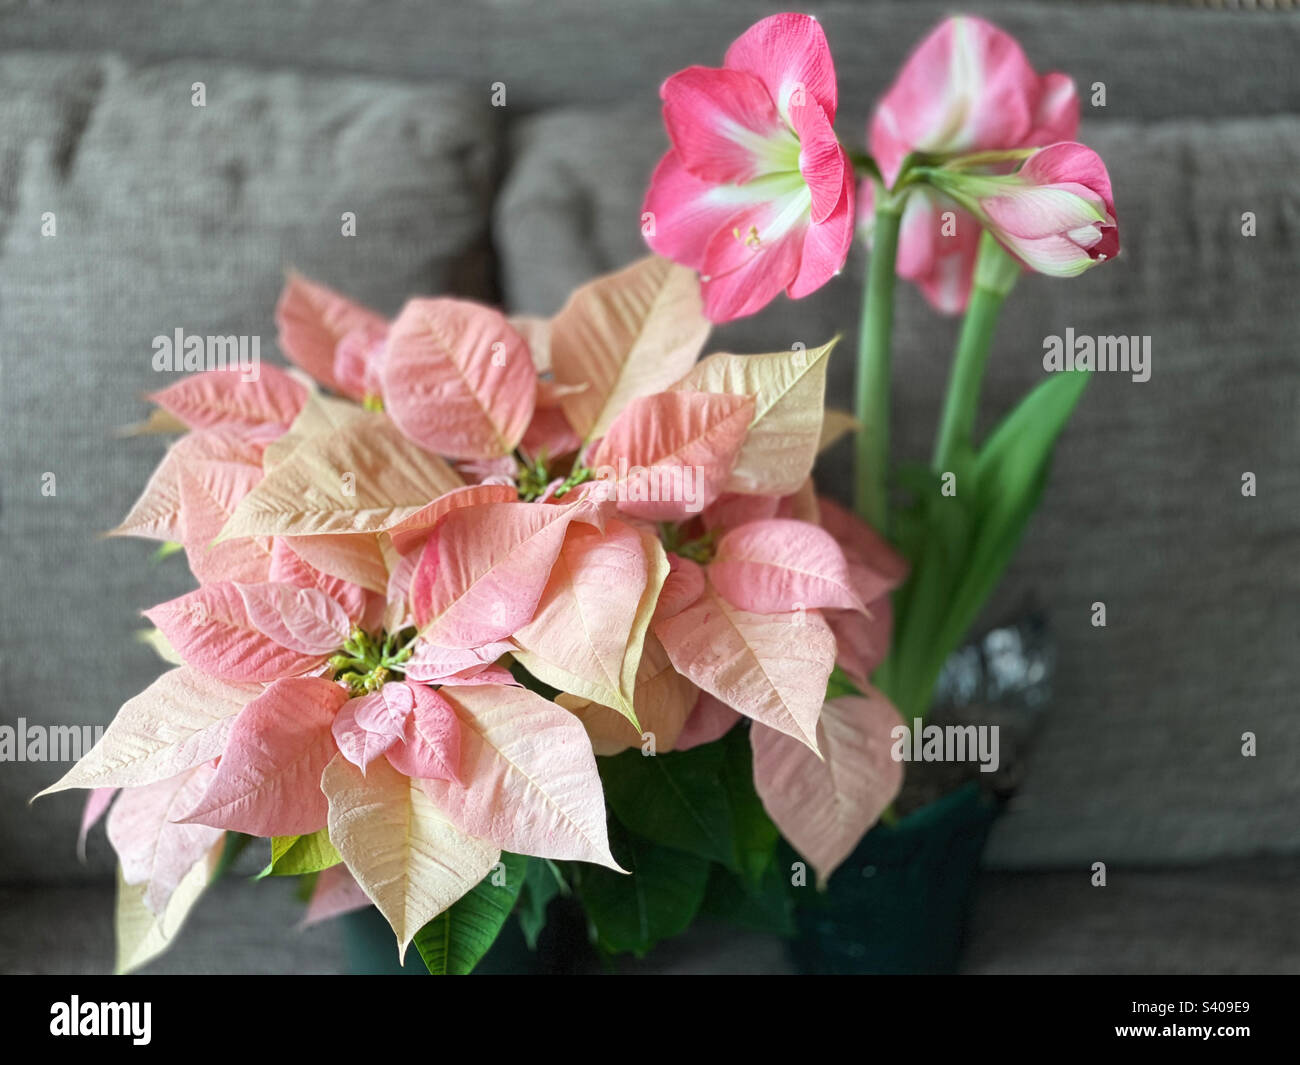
{"x":1056,"y":214}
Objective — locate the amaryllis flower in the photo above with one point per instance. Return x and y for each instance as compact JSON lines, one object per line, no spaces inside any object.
{"x":1056,"y":214}
{"x":938,"y":242}
{"x":967,"y":88}
{"x":756,"y":192}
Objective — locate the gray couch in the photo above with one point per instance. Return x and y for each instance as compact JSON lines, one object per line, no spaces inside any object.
{"x":173,"y":216}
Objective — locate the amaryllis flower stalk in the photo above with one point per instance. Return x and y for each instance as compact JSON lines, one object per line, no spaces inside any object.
{"x":756,"y":193}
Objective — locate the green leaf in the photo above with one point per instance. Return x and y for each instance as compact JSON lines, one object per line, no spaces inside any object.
{"x":753,"y":832}
{"x":677,"y":799}
{"x":960,"y":547}
{"x":659,"y":899}
{"x":235,"y":842}
{"x":296,"y":855}
{"x":167,"y":549}
{"x":1011,"y":472}
{"x":542,"y":882}
{"x":454,"y":941}
{"x":764,"y":906}
{"x":838,"y":684}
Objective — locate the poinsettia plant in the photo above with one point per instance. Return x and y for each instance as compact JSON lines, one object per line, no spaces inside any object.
{"x":493,"y":609}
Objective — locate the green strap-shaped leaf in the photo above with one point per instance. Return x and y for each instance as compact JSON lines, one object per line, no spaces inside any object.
{"x":1011,"y":471}
{"x":456,"y":940}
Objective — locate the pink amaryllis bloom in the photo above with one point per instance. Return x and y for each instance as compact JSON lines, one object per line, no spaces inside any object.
{"x":756,"y":193}
{"x":1056,"y":214}
{"x":967,"y":88}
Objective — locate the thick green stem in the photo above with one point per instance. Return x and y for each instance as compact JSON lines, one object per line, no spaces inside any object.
{"x":872,"y":407}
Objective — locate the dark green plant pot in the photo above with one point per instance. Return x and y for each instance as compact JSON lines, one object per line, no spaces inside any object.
{"x":899,"y":904}
{"x":370,"y":949}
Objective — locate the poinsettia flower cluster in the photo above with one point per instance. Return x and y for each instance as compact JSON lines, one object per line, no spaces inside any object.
{"x":580,"y":501}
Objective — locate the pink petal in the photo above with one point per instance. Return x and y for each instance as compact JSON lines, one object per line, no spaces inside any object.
{"x":688,"y":212}
{"x":412,"y":532}
{"x":358,"y":360}
{"x":354,"y":559}
{"x":483,"y":570}
{"x":682,"y":587}
{"x":431,"y":663}
{"x":587,"y":613}
{"x":549,"y":434}
{"x":97,"y":802}
{"x":528,"y":777}
{"x":968,"y":87}
{"x":152,"y":848}
{"x":710,"y":720}
{"x":1074,"y":166}
{"x":826,"y":244}
{"x":268,"y":781}
{"x":770,"y":667}
{"x":364,"y":728}
{"x":825,"y":806}
{"x":312,"y":319}
{"x":779,"y":565}
{"x":305,"y":620}
{"x":336,"y":893}
{"x":458,"y":379}
{"x":223,"y":399}
{"x":288,"y":567}
{"x":669,"y":454}
{"x":862,"y":640}
{"x":181,"y":720}
{"x":748,"y":265}
{"x":731,"y":509}
{"x":874,"y":566}
{"x":485,"y":674}
{"x":788,"y":52}
{"x":723,"y":125}
{"x":429,"y":747}
{"x":209,"y":493}
{"x":822,"y":162}
{"x":1056,"y":111}
{"x":212,"y":631}
{"x":938,"y":253}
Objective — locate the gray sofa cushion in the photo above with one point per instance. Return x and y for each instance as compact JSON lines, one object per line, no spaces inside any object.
{"x":1157,"y":60}
{"x":1139,"y":759}
{"x":174,"y":216}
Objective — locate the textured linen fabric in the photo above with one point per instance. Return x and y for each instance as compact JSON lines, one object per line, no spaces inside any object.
{"x":1158,"y":60}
